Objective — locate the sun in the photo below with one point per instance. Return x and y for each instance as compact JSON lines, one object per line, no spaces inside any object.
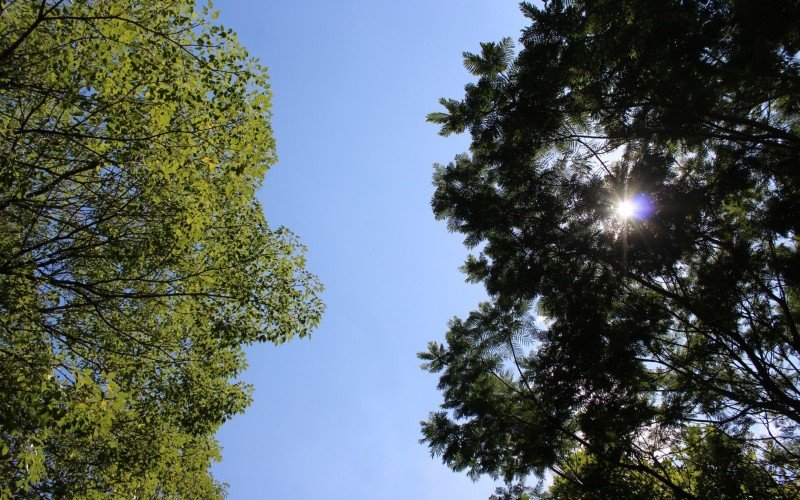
{"x":626,"y":209}
{"x":639,"y":207}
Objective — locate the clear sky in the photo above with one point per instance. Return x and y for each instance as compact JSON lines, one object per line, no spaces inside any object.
{"x":336,"y":416}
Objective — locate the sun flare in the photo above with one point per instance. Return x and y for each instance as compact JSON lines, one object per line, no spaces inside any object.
{"x":626,"y":209}
{"x":639,"y":207}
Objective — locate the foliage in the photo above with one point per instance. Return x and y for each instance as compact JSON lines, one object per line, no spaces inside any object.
{"x":135,"y":262}
{"x":708,"y":464}
{"x":631,"y":193}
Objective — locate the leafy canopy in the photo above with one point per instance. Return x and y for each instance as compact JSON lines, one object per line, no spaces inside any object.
{"x":631,"y":192}
{"x":135,"y":262}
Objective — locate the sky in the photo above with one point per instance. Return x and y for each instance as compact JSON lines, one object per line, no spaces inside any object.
{"x":336,"y":415}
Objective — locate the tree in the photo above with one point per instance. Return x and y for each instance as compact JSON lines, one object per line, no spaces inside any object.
{"x":631,"y":193}
{"x":710,"y":464}
{"x":135,"y":262}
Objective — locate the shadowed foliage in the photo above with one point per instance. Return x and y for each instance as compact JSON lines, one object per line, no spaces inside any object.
{"x":631,"y":194}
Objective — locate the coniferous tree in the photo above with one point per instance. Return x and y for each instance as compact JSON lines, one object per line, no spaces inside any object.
{"x":632,"y":191}
{"x":135,"y":262}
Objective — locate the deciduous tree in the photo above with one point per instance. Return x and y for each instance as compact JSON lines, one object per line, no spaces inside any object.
{"x":631,"y":193}
{"x":135,"y":262}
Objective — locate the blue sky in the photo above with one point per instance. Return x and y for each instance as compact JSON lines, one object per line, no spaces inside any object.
{"x":337,"y":416}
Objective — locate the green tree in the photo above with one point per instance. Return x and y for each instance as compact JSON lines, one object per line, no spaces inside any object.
{"x":135,"y":262}
{"x":631,"y":192}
